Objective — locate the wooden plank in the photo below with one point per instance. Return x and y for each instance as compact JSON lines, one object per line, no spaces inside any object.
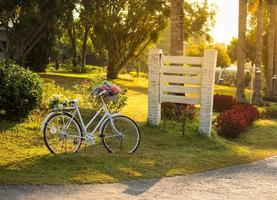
{"x":182,"y":60}
{"x":180,"y":89}
{"x":180,"y":79}
{"x":179,"y":99}
{"x":181,"y":70}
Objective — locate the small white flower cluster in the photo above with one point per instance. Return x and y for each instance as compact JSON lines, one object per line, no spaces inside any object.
{"x":58,"y":101}
{"x":2,"y":112}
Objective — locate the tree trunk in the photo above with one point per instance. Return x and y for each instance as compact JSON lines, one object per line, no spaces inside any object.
{"x":257,"y":97}
{"x":240,"y":95}
{"x":72,"y":36}
{"x":274,"y":81}
{"x":111,"y":72}
{"x":138,"y":69}
{"x":271,"y":41}
{"x":57,"y":64}
{"x":84,"y":48}
{"x":177,"y":25}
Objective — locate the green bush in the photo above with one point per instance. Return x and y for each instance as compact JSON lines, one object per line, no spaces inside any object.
{"x":20,"y":91}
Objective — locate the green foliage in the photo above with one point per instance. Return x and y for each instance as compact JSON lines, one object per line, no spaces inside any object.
{"x":197,"y":49}
{"x":20,"y":91}
{"x":50,"y":89}
{"x":250,"y":48}
{"x":268,"y":110}
{"x":198,"y":19}
{"x":223,"y":59}
{"x":29,"y":25}
{"x":38,"y":58}
{"x":122,"y":29}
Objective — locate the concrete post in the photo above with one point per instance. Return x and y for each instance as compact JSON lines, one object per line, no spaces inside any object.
{"x":154,"y":105}
{"x":207,"y":91}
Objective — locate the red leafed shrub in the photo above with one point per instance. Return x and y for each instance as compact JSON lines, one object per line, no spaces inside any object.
{"x":233,"y":122}
{"x":250,"y":112}
{"x":178,"y":112}
{"x":223,"y":102}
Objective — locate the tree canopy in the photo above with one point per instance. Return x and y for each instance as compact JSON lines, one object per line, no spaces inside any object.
{"x":28,"y":23}
{"x":114,"y":31}
{"x":122,"y":29}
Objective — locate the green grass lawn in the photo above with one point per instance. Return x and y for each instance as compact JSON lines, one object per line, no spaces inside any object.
{"x":25,"y":159}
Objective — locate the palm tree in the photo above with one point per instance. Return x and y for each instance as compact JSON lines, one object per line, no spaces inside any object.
{"x":240,"y":77}
{"x":177,"y":25}
{"x":257,"y":97}
{"x":271,"y":41}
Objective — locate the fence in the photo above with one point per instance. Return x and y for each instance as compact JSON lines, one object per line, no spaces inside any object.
{"x":181,"y":79}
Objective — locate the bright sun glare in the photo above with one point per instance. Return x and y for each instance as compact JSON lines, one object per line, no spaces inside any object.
{"x":226,"y":25}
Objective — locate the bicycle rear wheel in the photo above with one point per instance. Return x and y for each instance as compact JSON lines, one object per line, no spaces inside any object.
{"x":123,"y":137}
{"x":62,"y":134}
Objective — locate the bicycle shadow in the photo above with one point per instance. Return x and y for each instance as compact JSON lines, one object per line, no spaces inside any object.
{"x":138,"y":187}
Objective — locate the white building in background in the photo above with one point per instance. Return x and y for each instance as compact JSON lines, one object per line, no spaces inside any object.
{"x":3,"y":42}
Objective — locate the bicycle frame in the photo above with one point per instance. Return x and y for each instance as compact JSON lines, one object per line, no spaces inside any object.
{"x":84,"y":126}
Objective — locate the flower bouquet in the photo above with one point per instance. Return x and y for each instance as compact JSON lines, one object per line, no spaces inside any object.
{"x":58,"y":101}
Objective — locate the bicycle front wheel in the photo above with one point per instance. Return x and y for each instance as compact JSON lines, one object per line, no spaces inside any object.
{"x":120,"y":135}
{"x":62,"y":134}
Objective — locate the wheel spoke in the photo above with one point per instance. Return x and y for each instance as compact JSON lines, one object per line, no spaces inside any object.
{"x":62,"y":140}
{"x":125,"y":142}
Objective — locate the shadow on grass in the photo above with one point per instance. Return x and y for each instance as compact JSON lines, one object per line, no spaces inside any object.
{"x":5,"y":125}
{"x":64,"y":81}
{"x":70,"y":82}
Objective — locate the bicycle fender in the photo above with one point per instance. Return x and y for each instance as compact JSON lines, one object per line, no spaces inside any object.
{"x":43,"y":124}
{"x":113,"y":115}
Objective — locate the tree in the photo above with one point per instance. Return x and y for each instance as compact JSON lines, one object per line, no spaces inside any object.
{"x":122,"y":29}
{"x":28,"y":22}
{"x":198,"y":19}
{"x":71,"y":30}
{"x":85,"y":22}
{"x":223,"y":59}
{"x":257,"y":97}
{"x":270,"y":46}
{"x":196,"y":49}
{"x":177,"y":28}
{"x":240,"y":77}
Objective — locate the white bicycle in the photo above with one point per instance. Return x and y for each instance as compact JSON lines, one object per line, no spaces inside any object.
{"x":64,"y":132}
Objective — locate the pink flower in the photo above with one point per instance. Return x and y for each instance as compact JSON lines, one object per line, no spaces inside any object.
{"x":115,"y":89}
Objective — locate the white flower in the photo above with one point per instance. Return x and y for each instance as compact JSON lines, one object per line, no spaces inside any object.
{"x":60,"y":106}
{"x":2,"y":112}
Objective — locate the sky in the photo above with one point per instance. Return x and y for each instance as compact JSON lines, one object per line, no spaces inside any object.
{"x":226,"y":25}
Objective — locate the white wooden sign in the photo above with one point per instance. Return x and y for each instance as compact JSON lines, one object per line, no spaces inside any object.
{"x":170,"y":76}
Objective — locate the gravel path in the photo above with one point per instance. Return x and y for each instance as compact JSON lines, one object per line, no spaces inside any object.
{"x":250,"y":181}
